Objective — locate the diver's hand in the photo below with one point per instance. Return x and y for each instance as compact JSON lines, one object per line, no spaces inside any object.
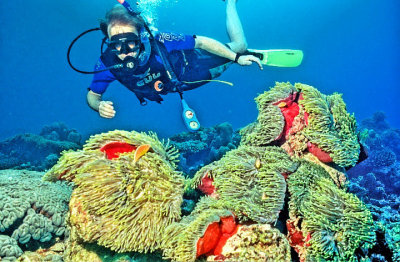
{"x":106,"y":109}
{"x":246,"y":60}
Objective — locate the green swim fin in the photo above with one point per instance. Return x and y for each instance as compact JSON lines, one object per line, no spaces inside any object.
{"x":279,"y":57}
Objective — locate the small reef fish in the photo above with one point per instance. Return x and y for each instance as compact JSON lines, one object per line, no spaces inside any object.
{"x":140,"y":151}
{"x":257,"y":163}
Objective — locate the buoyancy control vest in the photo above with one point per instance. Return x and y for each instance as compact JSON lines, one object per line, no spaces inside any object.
{"x":149,"y":81}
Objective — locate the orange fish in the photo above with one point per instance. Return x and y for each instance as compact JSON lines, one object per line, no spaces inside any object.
{"x":257,"y":163}
{"x":140,"y":151}
{"x":282,"y":104}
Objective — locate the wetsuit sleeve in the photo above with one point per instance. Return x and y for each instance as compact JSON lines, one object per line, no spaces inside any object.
{"x":174,"y":41}
{"x":101,"y":80}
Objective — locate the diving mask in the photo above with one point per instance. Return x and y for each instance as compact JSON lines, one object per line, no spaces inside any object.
{"x":125,"y":43}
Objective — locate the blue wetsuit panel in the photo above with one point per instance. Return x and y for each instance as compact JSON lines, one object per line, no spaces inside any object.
{"x":101,"y":80}
{"x":202,"y":65}
{"x":174,"y":41}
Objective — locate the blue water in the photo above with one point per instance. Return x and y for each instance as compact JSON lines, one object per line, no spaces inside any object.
{"x":350,"y":47}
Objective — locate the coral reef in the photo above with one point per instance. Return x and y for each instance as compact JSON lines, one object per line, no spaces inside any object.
{"x":383,"y":150}
{"x":376,"y":180}
{"x":32,"y":212}
{"x":126,"y":190}
{"x":377,"y":122}
{"x":288,"y":169}
{"x":9,"y":249}
{"x":317,"y":138}
{"x":392,"y":237}
{"x":58,"y":131}
{"x":204,"y":146}
{"x":38,"y":152}
{"x":246,"y":186}
{"x":54,"y":253}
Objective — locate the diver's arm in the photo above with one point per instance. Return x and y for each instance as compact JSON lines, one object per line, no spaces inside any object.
{"x":105,"y":108}
{"x":217,"y":48}
{"x":93,"y":100}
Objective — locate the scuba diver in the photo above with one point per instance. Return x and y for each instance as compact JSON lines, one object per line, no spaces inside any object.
{"x":154,"y":65}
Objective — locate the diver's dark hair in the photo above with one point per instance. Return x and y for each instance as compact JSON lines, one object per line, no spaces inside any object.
{"x":119,"y":15}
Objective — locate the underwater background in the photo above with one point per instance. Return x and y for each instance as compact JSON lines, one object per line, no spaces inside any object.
{"x":350,"y":47}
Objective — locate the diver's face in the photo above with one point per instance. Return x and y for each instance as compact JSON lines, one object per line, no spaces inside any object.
{"x":120,"y":29}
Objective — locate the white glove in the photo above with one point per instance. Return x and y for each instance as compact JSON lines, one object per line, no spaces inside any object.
{"x":106,"y":109}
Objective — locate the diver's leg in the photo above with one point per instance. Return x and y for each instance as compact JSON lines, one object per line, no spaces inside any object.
{"x":234,"y":28}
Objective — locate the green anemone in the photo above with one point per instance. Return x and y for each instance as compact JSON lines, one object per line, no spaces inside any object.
{"x":124,"y":203}
{"x":337,"y":222}
{"x":71,"y":162}
{"x":130,"y":203}
{"x":330,"y":126}
{"x":250,"y":182}
{"x":180,"y":238}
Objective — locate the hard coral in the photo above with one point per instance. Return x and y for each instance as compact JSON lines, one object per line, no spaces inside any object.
{"x":381,"y":158}
{"x":31,"y":151}
{"x":58,"y":131}
{"x":32,"y":211}
{"x":204,"y":146}
{"x":376,"y":122}
{"x":9,"y":249}
{"x":392,"y":237}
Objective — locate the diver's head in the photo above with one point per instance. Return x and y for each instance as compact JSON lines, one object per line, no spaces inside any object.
{"x":124,"y":40}
{"x":122,"y":30}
